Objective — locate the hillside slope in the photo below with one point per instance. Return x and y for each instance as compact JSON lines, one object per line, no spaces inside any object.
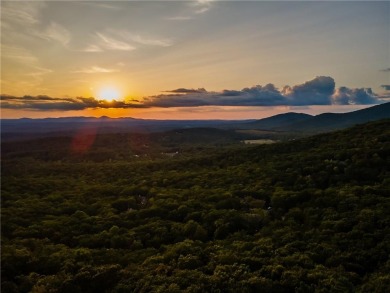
{"x":311,"y":215}
{"x":278,"y":121}
{"x":298,"y":122}
{"x":332,"y":121}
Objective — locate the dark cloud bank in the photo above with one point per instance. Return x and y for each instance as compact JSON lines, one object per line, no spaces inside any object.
{"x":64,"y":104}
{"x":319,"y":91}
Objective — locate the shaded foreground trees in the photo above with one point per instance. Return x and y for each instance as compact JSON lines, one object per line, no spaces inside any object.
{"x":305,"y":216}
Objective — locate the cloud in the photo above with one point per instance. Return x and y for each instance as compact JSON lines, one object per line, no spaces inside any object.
{"x":254,"y":96}
{"x":46,"y":103}
{"x":177,"y":100}
{"x":114,"y":44}
{"x":386,"y":69}
{"x":319,"y":91}
{"x":122,"y":40}
{"x":201,"y":6}
{"x":386,"y":86}
{"x":140,"y":39}
{"x":314,"y":92}
{"x":95,"y":69}
{"x":23,"y":18}
{"x":361,"y":96}
{"x":18,"y":54}
{"x":29,"y":64}
{"x":179,"y":18}
{"x":231,"y":93}
{"x":55,"y":32}
{"x":38,"y":71}
{"x":23,"y":13}
{"x":99,"y":5}
{"x":196,"y":8}
{"x":186,"y":91}
{"x":92,"y":48}
{"x":150,"y":41}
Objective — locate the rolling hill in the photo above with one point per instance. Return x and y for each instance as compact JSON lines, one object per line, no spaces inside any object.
{"x":279,"y":121}
{"x":310,"y":215}
{"x":280,"y":127}
{"x":320,"y":123}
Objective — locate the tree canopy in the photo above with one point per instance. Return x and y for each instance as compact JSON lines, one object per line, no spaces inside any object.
{"x":310,"y":215}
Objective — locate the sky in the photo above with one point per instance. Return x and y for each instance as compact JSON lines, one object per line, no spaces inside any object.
{"x":192,"y":59}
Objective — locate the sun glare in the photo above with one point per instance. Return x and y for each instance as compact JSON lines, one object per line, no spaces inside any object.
{"x":109,"y":94}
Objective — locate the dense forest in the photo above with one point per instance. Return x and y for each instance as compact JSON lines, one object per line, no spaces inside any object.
{"x":129,"y":213}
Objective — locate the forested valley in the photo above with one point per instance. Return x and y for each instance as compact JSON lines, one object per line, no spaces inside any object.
{"x":129,"y":213}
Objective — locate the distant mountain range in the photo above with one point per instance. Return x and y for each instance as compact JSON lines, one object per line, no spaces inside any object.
{"x":289,"y":122}
{"x":67,"y":125}
{"x":299,"y":122}
{"x":279,"y":121}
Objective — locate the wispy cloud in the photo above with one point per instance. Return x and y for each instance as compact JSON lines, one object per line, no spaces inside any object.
{"x":150,"y":41}
{"x":54,"y":32}
{"x":179,"y":18}
{"x":101,"y":5}
{"x":95,"y":69}
{"x":39,"y":71}
{"x":92,"y":48}
{"x":131,"y":37}
{"x":201,"y":6}
{"x":111,"y":43}
{"x":196,"y":8}
{"x":22,"y":20}
{"x":122,"y":40}
{"x":18,"y":54}
{"x":23,"y":13}
{"x":30,"y":63}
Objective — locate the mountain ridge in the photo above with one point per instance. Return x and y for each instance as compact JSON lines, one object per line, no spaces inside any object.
{"x":323,"y":122}
{"x":282,"y":123}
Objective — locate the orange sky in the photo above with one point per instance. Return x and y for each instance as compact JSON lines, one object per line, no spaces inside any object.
{"x":191,"y":59}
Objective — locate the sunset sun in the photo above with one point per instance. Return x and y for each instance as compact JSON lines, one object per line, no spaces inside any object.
{"x":109,"y":94}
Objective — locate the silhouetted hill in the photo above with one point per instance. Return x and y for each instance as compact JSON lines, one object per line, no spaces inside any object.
{"x":278,"y":121}
{"x":332,"y":121}
{"x":298,"y":122}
